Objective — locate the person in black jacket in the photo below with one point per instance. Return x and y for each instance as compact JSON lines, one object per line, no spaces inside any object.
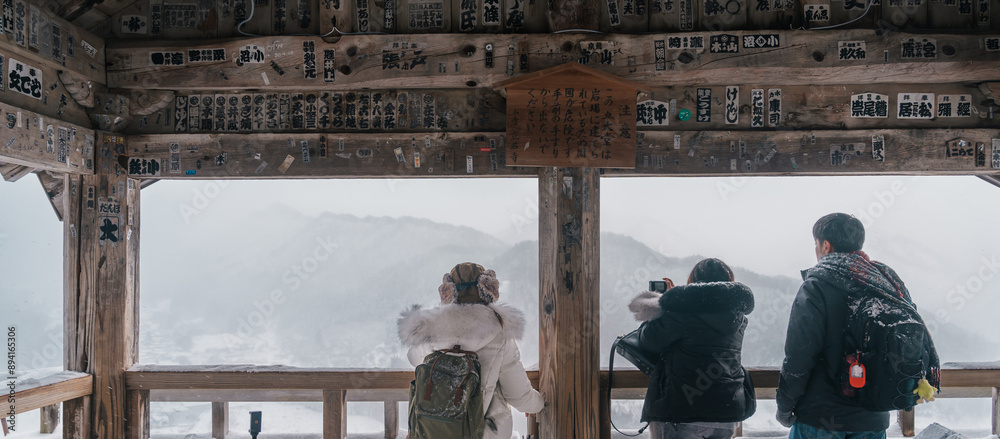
{"x":700,"y":388}
{"x":810,"y":394}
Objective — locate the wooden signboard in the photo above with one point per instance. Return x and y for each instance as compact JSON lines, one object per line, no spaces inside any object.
{"x":571,"y":116}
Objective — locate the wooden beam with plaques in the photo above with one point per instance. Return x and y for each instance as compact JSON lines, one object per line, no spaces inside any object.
{"x":655,"y":60}
{"x":37,"y":36}
{"x":667,"y":153}
{"x":571,"y":116}
{"x":757,"y":107}
{"x":39,"y":142}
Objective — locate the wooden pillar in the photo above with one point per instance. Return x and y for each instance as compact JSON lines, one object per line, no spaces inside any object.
{"x":48,"y":419}
{"x":604,"y":414}
{"x":905,"y":419}
{"x":334,"y":414}
{"x":391,"y":417}
{"x":220,"y":420}
{"x":102,"y":307}
{"x":996,"y":411}
{"x":76,"y":325}
{"x":569,"y":331}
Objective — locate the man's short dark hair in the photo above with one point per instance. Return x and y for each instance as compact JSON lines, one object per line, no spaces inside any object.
{"x":845,"y":232}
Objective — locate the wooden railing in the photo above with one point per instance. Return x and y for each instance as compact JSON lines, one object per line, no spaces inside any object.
{"x":45,"y":394}
{"x":335,"y":387}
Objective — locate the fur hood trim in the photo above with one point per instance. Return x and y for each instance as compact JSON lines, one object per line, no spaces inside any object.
{"x":697,"y":298}
{"x":471,"y":325}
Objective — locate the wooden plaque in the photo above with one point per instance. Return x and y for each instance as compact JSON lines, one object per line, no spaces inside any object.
{"x":571,"y":116}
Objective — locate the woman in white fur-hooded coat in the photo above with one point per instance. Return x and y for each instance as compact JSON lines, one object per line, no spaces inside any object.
{"x":469,"y":316}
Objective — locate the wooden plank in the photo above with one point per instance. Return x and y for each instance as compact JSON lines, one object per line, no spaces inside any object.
{"x":569,"y":258}
{"x":13,"y":172}
{"x":391,"y":417}
{"x":604,"y":415}
{"x":334,"y":414}
{"x":263,"y":377}
{"x":63,"y":386}
{"x":48,"y":419}
{"x":702,"y":153}
{"x":380,"y":61}
{"x":42,"y":38}
{"x":45,"y":143}
{"x":991,"y":179}
{"x":76,"y":324}
{"x":220,"y":419}
{"x":905,"y":420}
{"x":137,"y":415}
{"x":55,"y":189}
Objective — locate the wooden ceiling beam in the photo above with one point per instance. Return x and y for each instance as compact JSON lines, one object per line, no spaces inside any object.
{"x":444,"y":61}
{"x":660,"y":153}
{"x":13,"y":172}
{"x":75,"y":50}
{"x":38,"y":142}
{"x":55,"y":189}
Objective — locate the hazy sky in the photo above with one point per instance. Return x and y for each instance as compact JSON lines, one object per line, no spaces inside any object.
{"x":936,"y":231}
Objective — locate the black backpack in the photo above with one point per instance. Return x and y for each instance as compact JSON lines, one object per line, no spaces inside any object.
{"x":888,"y":350}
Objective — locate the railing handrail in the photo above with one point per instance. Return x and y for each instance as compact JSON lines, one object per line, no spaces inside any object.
{"x":245,"y":377}
{"x":53,"y":389}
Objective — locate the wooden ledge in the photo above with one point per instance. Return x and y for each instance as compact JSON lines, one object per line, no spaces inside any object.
{"x":54,"y":389}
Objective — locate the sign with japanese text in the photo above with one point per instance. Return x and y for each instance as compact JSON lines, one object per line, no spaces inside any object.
{"x":570,"y":117}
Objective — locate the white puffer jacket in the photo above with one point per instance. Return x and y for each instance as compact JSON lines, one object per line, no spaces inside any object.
{"x":476,"y":328}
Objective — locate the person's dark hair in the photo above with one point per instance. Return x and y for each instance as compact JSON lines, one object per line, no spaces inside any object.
{"x":710,"y":270}
{"x":845,"y":232}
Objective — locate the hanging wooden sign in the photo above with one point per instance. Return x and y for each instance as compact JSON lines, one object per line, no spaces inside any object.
{"x":571,"y":116}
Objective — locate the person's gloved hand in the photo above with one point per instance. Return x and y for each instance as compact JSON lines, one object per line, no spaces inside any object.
{"x":785,"y":418}
{"x":925,"y":391}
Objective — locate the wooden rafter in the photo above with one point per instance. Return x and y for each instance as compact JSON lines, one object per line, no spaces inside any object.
{"x":14,"y":172}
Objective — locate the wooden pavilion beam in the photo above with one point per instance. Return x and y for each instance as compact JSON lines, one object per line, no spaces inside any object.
{"x":40,"y":142}
{"x":55,"y":189}
{"x":13,"y":172}
{"x":442,"y":61}
{"x":801,"y":107}
{"x":664,"y":153}
{"x":53,"y":43}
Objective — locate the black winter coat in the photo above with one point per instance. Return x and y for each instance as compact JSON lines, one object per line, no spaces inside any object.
{"x":809,"y":385}
{"x":698,"y":331}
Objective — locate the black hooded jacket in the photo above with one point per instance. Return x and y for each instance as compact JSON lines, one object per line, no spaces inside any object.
{"x":809,"y":385}
{"x":698,"y":331}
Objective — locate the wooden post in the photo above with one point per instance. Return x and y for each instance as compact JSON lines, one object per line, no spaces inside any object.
{"x":137,"y":414}
{"x":334,"y":414}
{"x":996,"y":411}
{"x":391,"y":416}
{"x":569,"y":265}
{"x":739,"y":430}
{"x":102,"y":296}
{"x":604,"y":416}
{"x":220,"y":420}
{"x":48,"y":419}
{"x":905,"y":419}
{"x":76,"y":412}
{"x":532,"y":426}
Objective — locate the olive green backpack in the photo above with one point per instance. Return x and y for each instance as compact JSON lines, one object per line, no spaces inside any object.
{"x":446,"y":400}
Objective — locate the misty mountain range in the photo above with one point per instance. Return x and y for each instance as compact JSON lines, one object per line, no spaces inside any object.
{"x":326,"y":290}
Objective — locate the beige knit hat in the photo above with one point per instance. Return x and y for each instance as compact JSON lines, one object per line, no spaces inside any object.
{"x":469,"y":283}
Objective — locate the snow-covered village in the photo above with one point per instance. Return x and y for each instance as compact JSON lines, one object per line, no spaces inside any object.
{"x":558,"y":219}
